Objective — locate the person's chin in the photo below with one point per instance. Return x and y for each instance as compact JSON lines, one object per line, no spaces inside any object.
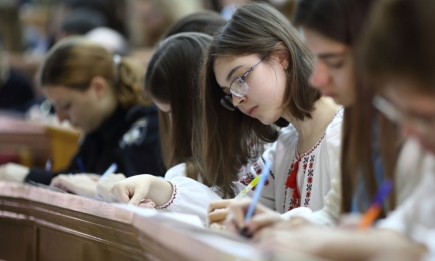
{"x":267,"y":120}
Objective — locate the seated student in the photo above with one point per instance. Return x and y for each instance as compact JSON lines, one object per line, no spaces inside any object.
{"x":101,"y":95}
{"x":171,"y":81}
{"x":365,"y":161}
{"x":287,"y":64}
{"x":398,"y":55}
{"x":261,"y":76}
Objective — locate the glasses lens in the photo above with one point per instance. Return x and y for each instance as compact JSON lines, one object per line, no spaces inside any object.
{"x":388,"y":109}
{"x":239,"y":87}
{"x":227,"y":103}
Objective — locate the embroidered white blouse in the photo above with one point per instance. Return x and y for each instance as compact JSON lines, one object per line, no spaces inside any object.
{"x":313,"y":177}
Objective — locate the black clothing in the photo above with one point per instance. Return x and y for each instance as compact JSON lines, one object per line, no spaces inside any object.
{"x":128,"y":138}
{"x":15,"y":92}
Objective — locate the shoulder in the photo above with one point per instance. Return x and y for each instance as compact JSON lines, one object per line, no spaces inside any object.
{"x":142,"y":121}
{"x":334,"y":130}
{"x":176,"y":171}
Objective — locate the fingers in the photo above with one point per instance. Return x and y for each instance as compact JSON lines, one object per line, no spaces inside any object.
{"x":236,"y":215}
{"x":218,"y":215}
{"x":137,"y":197}
{"x":120,"y":193}
{"x":61,"y":181}
{"x":147,"y":203}
{"x":132,"y":190}
{"x":219,"y":204}
{"x":260,"y":221}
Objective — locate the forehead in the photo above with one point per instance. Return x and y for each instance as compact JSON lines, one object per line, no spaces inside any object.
{"x":319,"y":43}
{"x":223,"y":65}
{"x":403,"y":93}
{"x":57,"y":93}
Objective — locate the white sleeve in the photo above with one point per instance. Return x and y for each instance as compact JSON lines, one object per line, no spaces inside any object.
{"x":415,"y":217}
{"x":249,"y":172}
{"x":190,"y":197}
{"x":330,"y":213}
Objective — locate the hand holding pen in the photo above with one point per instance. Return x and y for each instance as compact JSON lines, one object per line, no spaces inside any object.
{"x":246,"y":216}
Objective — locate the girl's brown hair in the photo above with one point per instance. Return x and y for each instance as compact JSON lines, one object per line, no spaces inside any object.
{"x":171,"y":78}
{"x":343,"y":20}
{"x":73,"y":63}
{"x":399,"y":42}
{"x":230,"y":139}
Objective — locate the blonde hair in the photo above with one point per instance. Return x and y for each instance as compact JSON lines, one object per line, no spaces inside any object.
{"x":73,"y":63}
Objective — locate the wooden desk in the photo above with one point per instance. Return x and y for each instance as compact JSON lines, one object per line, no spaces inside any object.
{"x":16,"y":134}
{"x":39,"y":224}
{"x":39,"y":141}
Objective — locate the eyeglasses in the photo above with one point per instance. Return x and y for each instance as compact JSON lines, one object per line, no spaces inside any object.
{"x":423,"y":125}
{"x":238,"y":87}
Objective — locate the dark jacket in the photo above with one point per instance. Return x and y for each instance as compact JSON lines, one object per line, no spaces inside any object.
{"x":128,"y":138}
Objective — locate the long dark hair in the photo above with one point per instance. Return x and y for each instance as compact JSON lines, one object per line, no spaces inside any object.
{"x":343,"y":21}
{"x":207,"y":22}
{"x":393,"y":46}
{"x":230,"y":139}
{"x":171,"y":78}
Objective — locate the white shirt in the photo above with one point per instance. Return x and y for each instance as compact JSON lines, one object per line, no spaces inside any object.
{"x":416,"y":216}
{"x":314,"y":175}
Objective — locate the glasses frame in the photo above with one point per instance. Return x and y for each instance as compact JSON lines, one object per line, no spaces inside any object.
{"x":227,"y":100}
{"x":395,"y":115}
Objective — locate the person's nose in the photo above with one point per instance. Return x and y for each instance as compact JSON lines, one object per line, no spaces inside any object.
{"x":237,"y":100}
{"x":320,"y":76}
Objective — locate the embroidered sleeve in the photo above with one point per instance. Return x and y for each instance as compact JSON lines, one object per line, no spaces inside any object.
{"x":173,"y":197}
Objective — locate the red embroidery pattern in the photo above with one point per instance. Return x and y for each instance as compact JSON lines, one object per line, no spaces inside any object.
{"x":250,"y":177}
{"x":309,"y":180}
{"x":307,"y":164}
{"x":247,"y":179}
{"x":294,"y":169}
{"x":174,"y":195}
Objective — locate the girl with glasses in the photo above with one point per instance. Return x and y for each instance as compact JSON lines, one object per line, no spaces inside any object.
{"x":397,"y":55}
{"x":331,"y":30}
{"x":255,"y":77}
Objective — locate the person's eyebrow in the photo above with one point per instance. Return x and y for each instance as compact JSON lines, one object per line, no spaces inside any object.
{"x":330,"y":55}
{"x":230,"y":75}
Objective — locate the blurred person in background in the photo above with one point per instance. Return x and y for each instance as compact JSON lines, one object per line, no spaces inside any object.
{"x":102,"y":95}
{"x":16,"y":91}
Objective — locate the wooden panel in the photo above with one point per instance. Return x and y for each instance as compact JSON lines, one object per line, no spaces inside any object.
{"x":56,"y":245}
{"x":17,"y":239}
{"x":47,"y":225}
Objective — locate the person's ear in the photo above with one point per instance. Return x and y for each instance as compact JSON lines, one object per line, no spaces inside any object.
{"x":281,"y":54}
{"x":100,"y":86}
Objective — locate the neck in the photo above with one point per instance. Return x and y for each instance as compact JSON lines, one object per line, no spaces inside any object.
{"x":311,"y":130}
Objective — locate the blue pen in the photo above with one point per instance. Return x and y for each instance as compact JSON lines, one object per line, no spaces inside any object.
{"x":109,"y":171}
{"x":257,"y":193}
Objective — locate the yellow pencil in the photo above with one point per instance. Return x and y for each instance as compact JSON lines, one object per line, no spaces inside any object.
{"x":248,"y":188}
